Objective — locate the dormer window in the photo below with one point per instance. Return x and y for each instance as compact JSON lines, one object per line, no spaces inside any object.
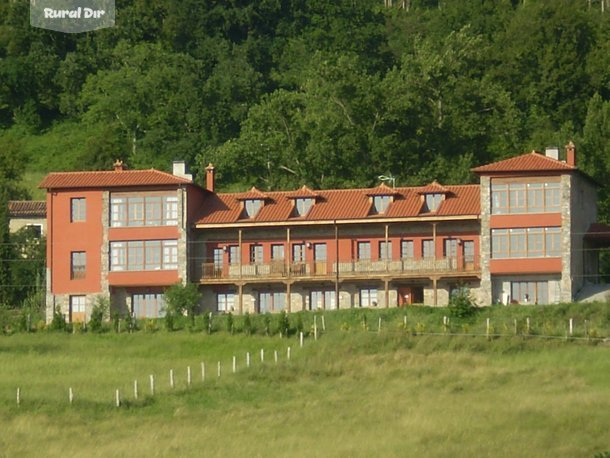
{"x":433,"y":201}
{"x":252,"y":206}
{"x":381,"y":203}
{"x":302,"y":205}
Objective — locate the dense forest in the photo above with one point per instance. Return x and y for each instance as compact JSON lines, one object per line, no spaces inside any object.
{"x":281,"y":93}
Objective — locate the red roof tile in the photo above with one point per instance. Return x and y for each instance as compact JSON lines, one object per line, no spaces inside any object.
{"x":252,"y":194}
{"x":339,"y":204}
{"x":381,"y":190}
{"x":433,"y":188}
{"x":530,"y":162}
{"x":304,"y":192}
{"x":23,"y":208}
{"x":110,"y":179}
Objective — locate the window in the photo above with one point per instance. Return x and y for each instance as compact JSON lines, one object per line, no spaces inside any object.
{"x":534,"y":242}
{"x":78,"y":209}
{"x":217,"y":257}
{"x":225,"y":302}
{"x":271,"y":301}
{"x":530,"y":292}
{"x":381,"y":203}
{"x":525,"y":197}
{"x":406,"y":249}
{"x":364,"y":251}
{"x":433,"y":201}
{"x":144,"y":255}
{"x":450,"y":248}
{"x":322,"y":300}
{"x":468,"y":251}
{"x":78,"y":264}
{"x":385,"y":250}
{"x":234,"y":255}
{"x":77,"y":308}
{"x":149,"y":305}
{"x":256,"y":254}
{"x":368,"y":297}
{"x":302,"y":205}
{"x":277,"y":252}
{"x":298,"y":252}
{"x":150,"y":210}
{"x":252,"y":207}
{"x":319,"y":251}
{"x":428,"y":249}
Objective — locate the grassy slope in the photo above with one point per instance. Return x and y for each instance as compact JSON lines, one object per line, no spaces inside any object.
{"x":349,"y":394}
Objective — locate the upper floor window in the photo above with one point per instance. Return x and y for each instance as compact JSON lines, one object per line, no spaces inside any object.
{"x":381,"y":203}
{"x":298,"y":252}
{"x":252,"y":207}
{"x":78,"y":209}
{"x":520,"y":197}
{"x":149,"y":210}
{"x":144,"y":255}
{"x":78,"y":264}
{"x":385,"y":250}
{"x":303,"y":205}
{"x":533,"y":242}
{"x":433,"y":201}
{"x":256,"y":254}
{"x":406,"y":249}
{"x":428,"y":250}
{"x":364,"y":251}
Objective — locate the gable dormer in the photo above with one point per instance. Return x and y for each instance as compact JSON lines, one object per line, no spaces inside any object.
{"x":303,"y":199}
{"x":252,"y":201}
{"x":432,"y":196}
{"x":381,"y":197}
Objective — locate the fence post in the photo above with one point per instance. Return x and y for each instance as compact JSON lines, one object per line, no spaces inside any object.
{"x":275,"y":356}
{"x":70,"y":395}
{"x":152,"y":384}
{"x":487,"y":328}
{"x":288,"y":353}
{"x":202,"y":371}
{"x":171,"y":378}
{"x":188,"y":375}
{"x":527,"y":325}
{"x":571,"y":325}
{"x":379,"y":326}
{"x":135,"y":389}
{"x":247,"y":359}
{"x":234,"y":364}
{"x":262,"y":355}
{"x":323,"y":323}
{"x":219,"y":369}
{"x":301,"y":339}
{"x":117,"y":398}
{"x":315,"y":327}
{"x":515,"y":324}
{"x":18,"y":396}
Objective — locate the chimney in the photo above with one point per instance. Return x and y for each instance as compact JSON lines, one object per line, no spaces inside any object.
{"x":209,"y":177}
{"x":552,"y":152}
{"x":571,"y":154}
{"x":179,"y":170}
{"x":118,"y":166}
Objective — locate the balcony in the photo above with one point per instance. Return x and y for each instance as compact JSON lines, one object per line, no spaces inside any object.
{"x":352,"y":269}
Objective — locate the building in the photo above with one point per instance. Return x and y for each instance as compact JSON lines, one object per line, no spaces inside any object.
{"x":521,"y":235}
{"x":27,"y":213}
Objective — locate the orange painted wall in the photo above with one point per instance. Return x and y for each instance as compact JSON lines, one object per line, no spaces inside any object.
{"x":148,"y":278}
{"x":525,"y":265}
{"x":143,"y":233}
{"x":525,"y":220}
{"x":66,"y":236}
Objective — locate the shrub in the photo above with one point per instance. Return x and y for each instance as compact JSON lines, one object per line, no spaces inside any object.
{"x":58,"y":323}
{"x":99,"y":313}
{"x":462,"y":304}
{"x":230,"y":324}
{"x":283,"y":325}
{"x":247,"y":324}
{"x":182,"y":299}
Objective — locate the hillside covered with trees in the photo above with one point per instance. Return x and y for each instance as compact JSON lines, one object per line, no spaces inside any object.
{"x":281,"y":93}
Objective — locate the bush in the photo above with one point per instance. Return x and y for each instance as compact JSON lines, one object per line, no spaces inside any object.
{"x":58,"y":323}
{"x":99,"y":313}
{"x":247,"y":324}
{"x":461,"y":304}
{"x":283,"y":325}
{"x":230,"y":324}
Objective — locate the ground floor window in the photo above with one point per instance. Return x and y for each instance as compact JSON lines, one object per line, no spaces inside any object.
{"x":77,"y":308}
{"x":368,"y":297}
{"x":271,"y":301}
{"x":148,"y":305}
{"x":530,"y":292}
{"x":322,"y":300}
{"x":225,"y":302}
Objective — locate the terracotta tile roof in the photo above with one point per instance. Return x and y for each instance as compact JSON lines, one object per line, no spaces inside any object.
{"x":381,"y":190}
{"x":110,"y":179}
{"x":432,"y":188}
{"x":24,"y":208}
{"x":530,"y":162}
{"x":304,"y":192}
{"x":339,"y":204}
{"x":252,"y":194}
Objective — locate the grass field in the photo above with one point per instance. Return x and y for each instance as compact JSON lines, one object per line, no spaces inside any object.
{"x":353,"y":392}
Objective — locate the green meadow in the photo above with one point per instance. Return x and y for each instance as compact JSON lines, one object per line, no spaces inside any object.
{"x":355,"y":391}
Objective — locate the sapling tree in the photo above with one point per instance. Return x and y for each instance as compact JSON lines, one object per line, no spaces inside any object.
{"x":181,"y":299}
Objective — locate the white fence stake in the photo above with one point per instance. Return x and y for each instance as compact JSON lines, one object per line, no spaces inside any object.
{"x":323,"y":323}
{"x":275,"y":356}
{"x":487,"y":327}
{"x":135,"y":389}
{"x":152,"y":385}
{"x":117,"y":398}
{"x":18,"y":396}
{"x":404,"y":321}
{"x":301,"y":339}
{"x":262,"y":355}
{"x":571,"y":326}
{"x":70,"y":395}
{"x":219,"y":369}
{"x":248,"y":359}
{"x":315,"y":327}
{"x":171,"y":378}
{"x":527,"y":324}
{"x":203,"y":372}
{"x":234,"y":364}
{"x":379,"y":325}
{"x":188,"y":375}
{"x":515,"y":323}
{"x":288,"y":353}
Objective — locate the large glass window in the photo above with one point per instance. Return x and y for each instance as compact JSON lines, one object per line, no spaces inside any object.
{"x":252,"y":207}
{"x":271,"y":301}
{"x":381,"y":203}
{"x":428,"y":249}
{"x":433,"y":201}
{"x":298,"y":252}
{"x":234,"y":254}
{"x":385,"y":250}
{"x":146,"y":210}
{"x":322,"y":300}
{"x":368,"y":297}
{"x":144,"y":255}
{"x":319,"y":251}
{"x":521,"y":197}
{"x":277,"y":252}
{"x":364,"y":251}
{"x":406,"y":249}
{"x":225,"y":302}
{"x":302,"y":205}
{"x":450,"y":248}
{"x":534,"y":242}
{"x":530,"y":292}
{"x":148,"y":305}
{"x":256,"y":254}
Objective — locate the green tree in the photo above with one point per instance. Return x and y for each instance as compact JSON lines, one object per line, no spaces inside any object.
{"x":183,"y":299}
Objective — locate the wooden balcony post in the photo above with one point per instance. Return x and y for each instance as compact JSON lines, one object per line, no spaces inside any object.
{"x":434,"y":288}
{"x":387,"y":293}
{"x":288,"y":296}
{"x":240,"y":299}
{"x":288,"y":253}
{"x":387,"y":255}
{"x":239,"y":250}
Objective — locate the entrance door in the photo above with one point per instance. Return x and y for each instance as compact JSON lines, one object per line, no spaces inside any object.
{"x":468,"y":254}
{"x":319,"y":258}
{"x":77,"y":309}
{"x":408,"y":295}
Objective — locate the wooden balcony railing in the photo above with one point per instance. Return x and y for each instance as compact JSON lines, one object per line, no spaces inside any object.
{"x":347,"y":269}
